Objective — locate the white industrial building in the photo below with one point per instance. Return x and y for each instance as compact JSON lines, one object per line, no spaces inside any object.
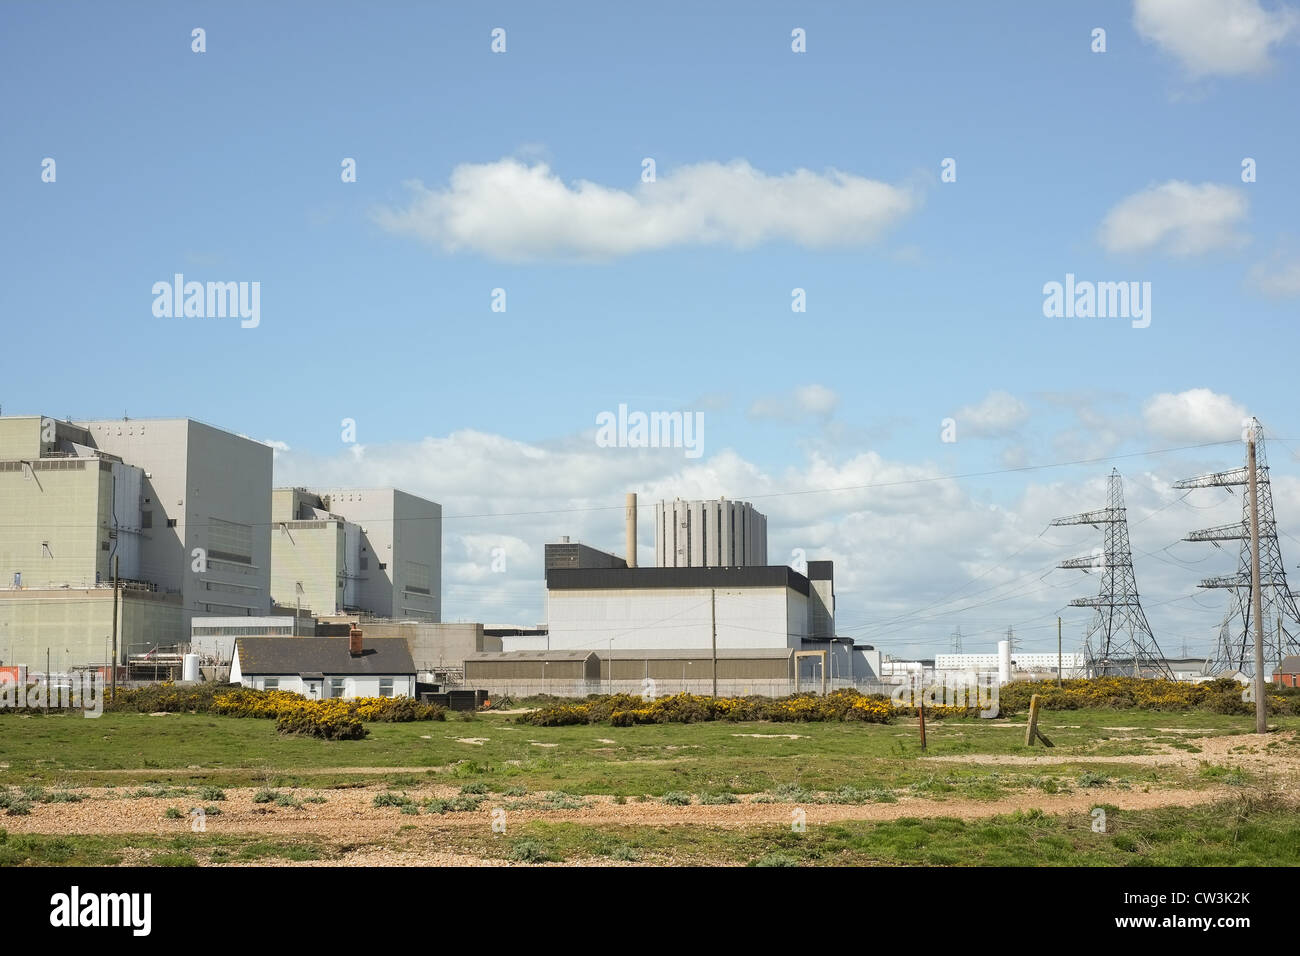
{"x":1072,"y":664}
{"x":676,"y":608}
{"x":709,"y":534}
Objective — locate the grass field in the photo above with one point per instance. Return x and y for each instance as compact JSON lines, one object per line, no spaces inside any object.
{"x":1178,"y":788}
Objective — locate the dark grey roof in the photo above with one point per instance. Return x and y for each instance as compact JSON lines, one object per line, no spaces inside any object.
{"x":578,"y":655}
{"x":1290,"y":664}
{"x":771,"y":576}
{"x":324,"y":655}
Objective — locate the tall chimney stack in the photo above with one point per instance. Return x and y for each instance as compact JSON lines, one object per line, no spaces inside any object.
{"x":354,"y":640}
{"x":631,"y":529}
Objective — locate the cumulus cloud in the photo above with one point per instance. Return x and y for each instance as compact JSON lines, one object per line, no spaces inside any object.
{"x":998,"y":414}
{"x":513,"y":210}
{"x":1195,"y":415}
{"x":804,"y":402}
{"x":1278,"y":278}
{"x":1216,"y":37}
{"x":1177,"y":218}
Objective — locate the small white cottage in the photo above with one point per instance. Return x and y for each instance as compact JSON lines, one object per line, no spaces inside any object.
{"x":324,"y":667}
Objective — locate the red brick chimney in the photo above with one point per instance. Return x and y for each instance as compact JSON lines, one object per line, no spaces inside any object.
{"x":354,"y":641}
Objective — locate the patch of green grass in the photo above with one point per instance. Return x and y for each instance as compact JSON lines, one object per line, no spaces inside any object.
{"x":1250,"y":830}
{"x":264,"y":849}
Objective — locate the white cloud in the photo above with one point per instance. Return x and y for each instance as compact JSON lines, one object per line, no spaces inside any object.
{"x":1178,"y":218}
{"x":913,"y":557}
{"x":997,"y":414}
{"x":1278,"y":278}
{"x":516,"y":211}
{"x":1195,"y":415}
{"x":806,"y":401}
{"x":1215,"y":37}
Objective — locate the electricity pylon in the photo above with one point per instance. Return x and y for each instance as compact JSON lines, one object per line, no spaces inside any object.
{"x":1236,"y":646}
{"x":956,"y":641}
{"x":1124,"y":644}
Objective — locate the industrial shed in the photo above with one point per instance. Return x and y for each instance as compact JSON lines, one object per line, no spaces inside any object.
{"x":768,"y":671}
{"x":577,"y":673}
{"x":523,"y":673}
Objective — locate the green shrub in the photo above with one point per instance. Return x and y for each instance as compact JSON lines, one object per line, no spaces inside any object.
{"x":173,"y":813}
{"x":676,"y":798}
{"x":212,"y":793}
{"x":529,"y":851}
{"x":264,"y":796}
{"x":390,"y":799}
{"x":714,"y":799}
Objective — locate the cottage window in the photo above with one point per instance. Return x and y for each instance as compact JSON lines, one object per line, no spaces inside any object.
{"x":385,"y":687}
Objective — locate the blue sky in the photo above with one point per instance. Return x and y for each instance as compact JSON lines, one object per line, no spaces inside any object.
{"x":1115,"y":166}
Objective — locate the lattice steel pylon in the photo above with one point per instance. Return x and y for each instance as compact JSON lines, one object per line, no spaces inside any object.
{"x":1124,"y":644}
{"x":1236,"y":644}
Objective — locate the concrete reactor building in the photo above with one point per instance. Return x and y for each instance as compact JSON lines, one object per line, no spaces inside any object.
{"x":371,"y":550}
{"x":709,"y":534}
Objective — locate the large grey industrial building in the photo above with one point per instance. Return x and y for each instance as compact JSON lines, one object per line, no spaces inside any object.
{"x":180,"y":505}
{"x":371,"y":550}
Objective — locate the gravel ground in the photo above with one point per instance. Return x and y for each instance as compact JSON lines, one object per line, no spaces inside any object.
{"x":388,"y":837}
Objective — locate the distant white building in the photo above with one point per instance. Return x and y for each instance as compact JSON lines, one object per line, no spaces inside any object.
{"x":1072,"y":665}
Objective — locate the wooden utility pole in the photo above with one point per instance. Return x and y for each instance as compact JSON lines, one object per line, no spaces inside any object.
{"x":113,"y":693}
{"x":1059,"y":666}
{"x":921,"y":713}
{"x":713,"y":613}
{"x":1256,"y":599}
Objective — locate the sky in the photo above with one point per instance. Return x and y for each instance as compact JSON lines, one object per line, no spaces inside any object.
{"x":503,"y":269}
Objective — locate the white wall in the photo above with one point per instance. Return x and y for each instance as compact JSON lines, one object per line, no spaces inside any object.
{"x":367,"y":686}
{"x":675,"y":618}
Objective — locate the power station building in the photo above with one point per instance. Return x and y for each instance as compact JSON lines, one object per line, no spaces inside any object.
{"x":709,"y":534}
{"x":180,"y":507}
{"x":371,"y":550}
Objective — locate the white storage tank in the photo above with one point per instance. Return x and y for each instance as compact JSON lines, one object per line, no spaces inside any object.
{"x":190,"y":667}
